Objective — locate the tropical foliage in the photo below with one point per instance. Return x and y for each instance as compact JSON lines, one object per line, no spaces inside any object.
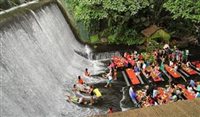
{"x":121,"y":21}
{"x":109,"y":18}
{"x":187,"y":9}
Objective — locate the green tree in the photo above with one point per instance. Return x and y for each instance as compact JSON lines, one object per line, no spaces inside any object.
{"x":109,"y":18}
{"x":187,"y":9}
{"x":115,"y":10}
{"x":121,"y":21}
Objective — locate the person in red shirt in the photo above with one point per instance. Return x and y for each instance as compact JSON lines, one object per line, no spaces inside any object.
{"x":80,"y":80}
{"x":110,"y":110}
{"x":140,"y":57}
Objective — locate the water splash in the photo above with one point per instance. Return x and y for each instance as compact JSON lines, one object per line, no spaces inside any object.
{"x":88,"y":51}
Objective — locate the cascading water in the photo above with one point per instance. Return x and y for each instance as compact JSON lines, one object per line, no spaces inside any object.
{"x":39,"y":65}
{"x":105,"y":55}
{"x":125,"y":102}
{"x":88,"y":51}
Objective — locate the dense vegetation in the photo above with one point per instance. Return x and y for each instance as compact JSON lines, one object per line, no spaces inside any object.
{"x":121,"y":21}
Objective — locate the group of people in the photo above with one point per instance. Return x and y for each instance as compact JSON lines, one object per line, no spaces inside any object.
{"x":153,"y":95}
{"x":84,"y":93}
{"x":88,"y":94}
{"x":151,"y":65}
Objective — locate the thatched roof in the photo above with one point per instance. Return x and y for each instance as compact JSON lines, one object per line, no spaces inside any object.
{"x":177,"y":109}
{"x":150,"y":30}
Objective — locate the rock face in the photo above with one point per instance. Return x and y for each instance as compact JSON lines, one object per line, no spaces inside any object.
{"x":191,"y":40}
{"x":185,"y":41}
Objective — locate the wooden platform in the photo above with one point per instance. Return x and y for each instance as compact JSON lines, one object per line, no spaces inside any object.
{"x":176,"y":109}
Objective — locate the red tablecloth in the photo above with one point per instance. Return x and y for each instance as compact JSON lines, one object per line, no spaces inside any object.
{"x":197,"y":64}
{"x":189,"y":70}
{"x":172,"y":71}
{"x":187,"y":94}
{"x":131,"y":74}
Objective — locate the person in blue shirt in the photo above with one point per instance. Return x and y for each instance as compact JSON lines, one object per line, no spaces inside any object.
{"x":136,"y":70}
{"x":133,"y":96}
{"x":192,"y":83}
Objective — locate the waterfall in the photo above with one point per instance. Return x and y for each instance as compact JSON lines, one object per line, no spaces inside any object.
{"x":39,"y":65}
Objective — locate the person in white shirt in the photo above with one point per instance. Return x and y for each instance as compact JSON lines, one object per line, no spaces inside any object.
{"x":187,"y":53}
{"x":144,"y":66}
{"x":175,"y":68}
{"x":166,"y":46}
{"x":171,"y":63}
{"x":188,"y":63}
{"x":109,"y":79}
{"x":189,"y":88}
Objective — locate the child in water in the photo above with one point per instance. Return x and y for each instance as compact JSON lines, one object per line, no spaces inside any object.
{"x":80,"y":80}
{"x":86,"y":73}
